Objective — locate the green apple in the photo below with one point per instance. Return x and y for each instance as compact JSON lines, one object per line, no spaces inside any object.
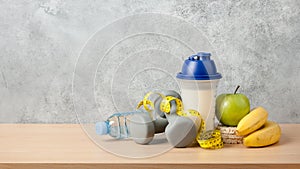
{"x":231,"y":108}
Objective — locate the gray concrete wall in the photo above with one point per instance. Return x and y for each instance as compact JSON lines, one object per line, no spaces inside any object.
{"x":257,"y":45}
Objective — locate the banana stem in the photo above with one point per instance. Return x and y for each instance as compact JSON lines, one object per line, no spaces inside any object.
{"x":237,"y":88}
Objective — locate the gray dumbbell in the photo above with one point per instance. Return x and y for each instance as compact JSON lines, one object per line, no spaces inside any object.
{"x":142,"y":128}
{"x":181,"y":131}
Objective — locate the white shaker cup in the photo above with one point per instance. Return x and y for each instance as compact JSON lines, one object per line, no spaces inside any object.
{"x":198,"y":82}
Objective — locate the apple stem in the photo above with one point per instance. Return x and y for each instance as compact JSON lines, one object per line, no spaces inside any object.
{"x":237,"y":88}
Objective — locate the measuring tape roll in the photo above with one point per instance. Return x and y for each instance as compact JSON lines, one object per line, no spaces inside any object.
{"x":210,"y":139}
{"x":206,"y":139}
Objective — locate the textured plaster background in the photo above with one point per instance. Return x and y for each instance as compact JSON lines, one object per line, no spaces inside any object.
{"x":258,"y":43}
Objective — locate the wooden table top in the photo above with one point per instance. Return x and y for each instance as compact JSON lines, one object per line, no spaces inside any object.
{"x":68,"y":146}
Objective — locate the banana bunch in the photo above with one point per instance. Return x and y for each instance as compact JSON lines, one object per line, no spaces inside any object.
{"x":257,"y":130}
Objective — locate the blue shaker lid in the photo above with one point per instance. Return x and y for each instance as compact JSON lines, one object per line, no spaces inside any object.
{"x":199,"y":67}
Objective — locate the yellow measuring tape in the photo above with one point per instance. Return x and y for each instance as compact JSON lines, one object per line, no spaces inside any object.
{"x":146,"y":102}
{"x":211,"y":139}
{"x":206,"y":139}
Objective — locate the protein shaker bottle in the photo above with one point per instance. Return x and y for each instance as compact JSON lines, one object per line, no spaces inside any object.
{"x":198,"y":81}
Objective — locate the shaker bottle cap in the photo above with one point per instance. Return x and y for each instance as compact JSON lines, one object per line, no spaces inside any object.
{"x":199,"y":67}
{"x":102,"y":128}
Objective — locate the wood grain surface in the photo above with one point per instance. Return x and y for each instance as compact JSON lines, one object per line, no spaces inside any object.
{"x":68,"y":146}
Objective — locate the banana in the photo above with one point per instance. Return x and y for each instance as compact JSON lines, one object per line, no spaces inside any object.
{"x":252,"y":121}
{"x":268,"y":135}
